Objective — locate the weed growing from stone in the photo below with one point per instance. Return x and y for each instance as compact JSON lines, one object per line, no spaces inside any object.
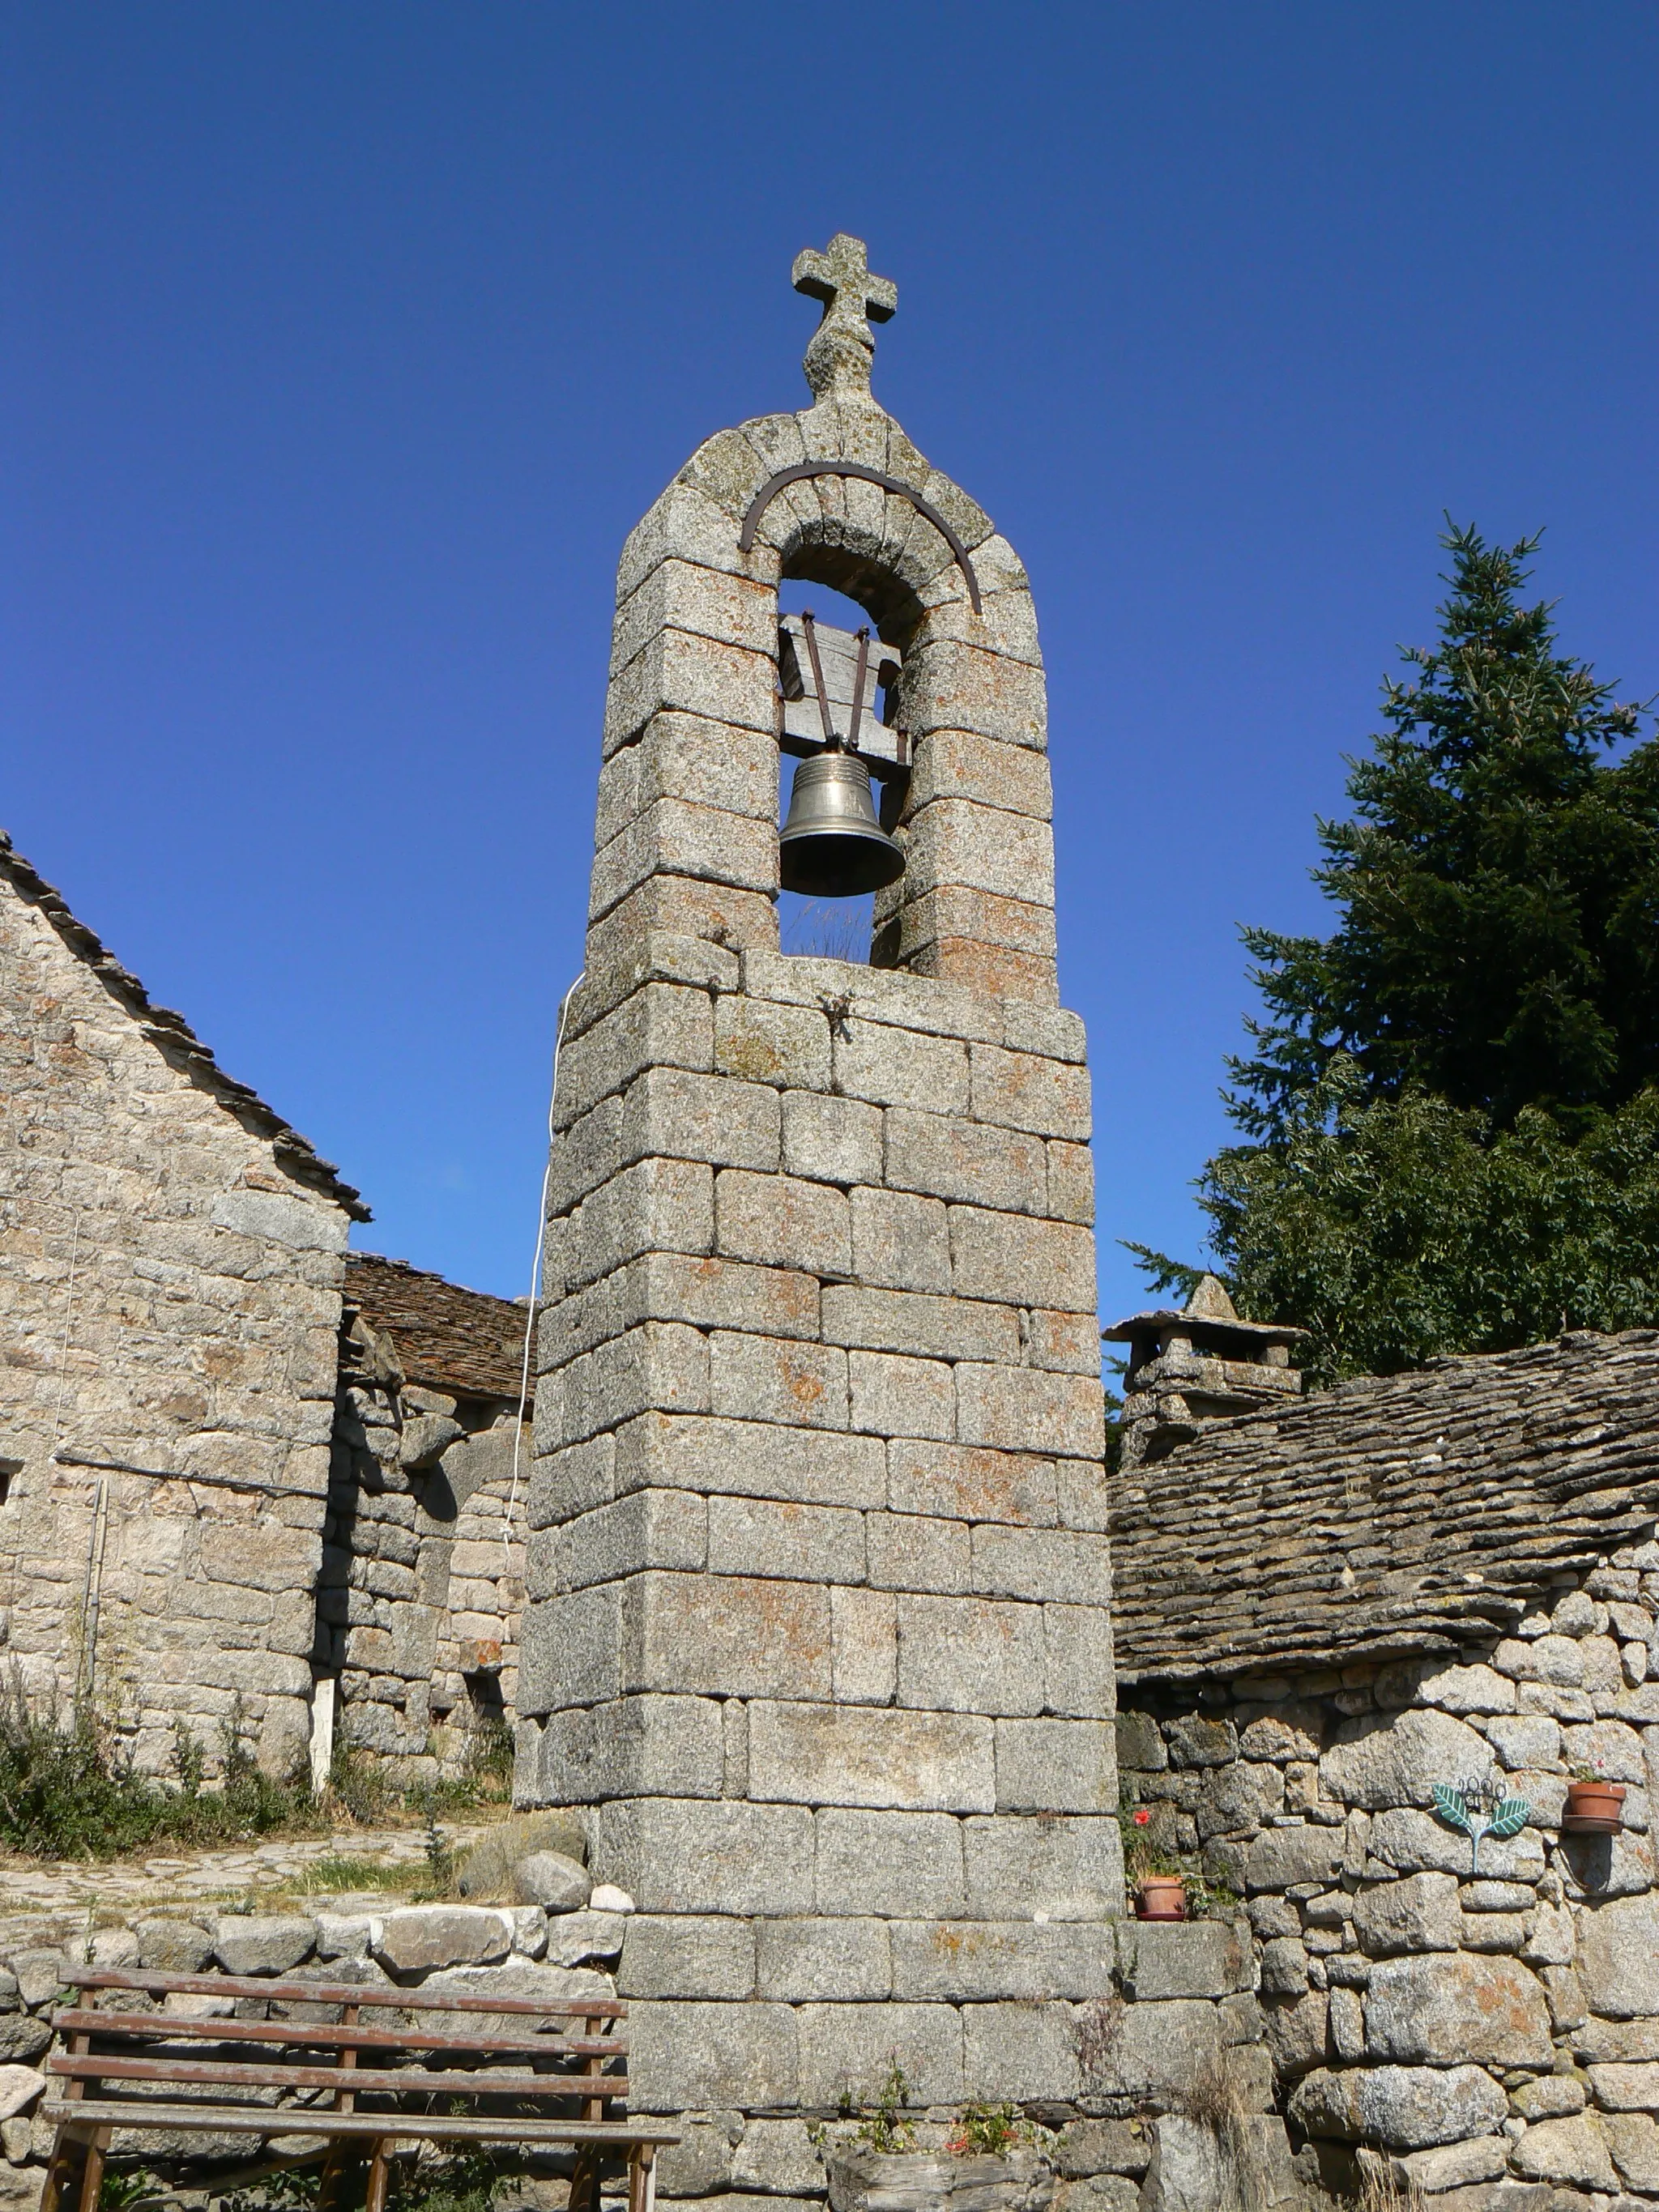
{"x":137,"y":2190}
{"x":988,"y":2131}
{"x":1095,"y":2028}
{"x":442,"y":1860}
{"x":339,"y":1873}
{"x":446,"y":2184}
{"x":1212,"y":2099}
{"x":885,"y":2130}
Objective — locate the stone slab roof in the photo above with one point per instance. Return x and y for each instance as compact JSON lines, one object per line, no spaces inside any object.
{"x":465,"y":1343}
{"x":172,"y":1037}
{"x":1392,"y":1515}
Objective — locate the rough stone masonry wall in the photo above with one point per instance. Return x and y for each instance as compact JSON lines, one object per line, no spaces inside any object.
{"x":422,"y":1575}
{"x":1498,"y":2036}
{"x":816,"y":1591}
{"x":170,"y":1269}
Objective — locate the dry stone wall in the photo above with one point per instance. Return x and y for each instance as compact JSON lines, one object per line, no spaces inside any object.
{"x":170,"y":1269}
{"x":1493,"y":2034}
{"x":1127,"y":2143}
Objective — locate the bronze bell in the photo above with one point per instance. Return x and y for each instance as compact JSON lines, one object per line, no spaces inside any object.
{"x":832,"y":846}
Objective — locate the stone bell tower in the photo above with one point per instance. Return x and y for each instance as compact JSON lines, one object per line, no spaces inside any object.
{"x":816,"y":1621}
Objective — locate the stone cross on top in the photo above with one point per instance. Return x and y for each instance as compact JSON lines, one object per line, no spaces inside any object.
{"x":838,"y":360}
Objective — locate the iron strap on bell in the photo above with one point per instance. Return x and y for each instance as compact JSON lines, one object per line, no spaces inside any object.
{"x":831,"y":845}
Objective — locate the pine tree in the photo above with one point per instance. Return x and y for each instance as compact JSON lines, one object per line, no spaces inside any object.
{"x":1499,"y":884}
{"x":1451,"y":1106}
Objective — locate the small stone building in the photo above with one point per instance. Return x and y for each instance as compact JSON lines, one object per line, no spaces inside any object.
{"x":242,"y":1472}
{"x":1329,"y":1609}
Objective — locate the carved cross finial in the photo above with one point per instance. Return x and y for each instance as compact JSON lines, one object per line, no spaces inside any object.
{"x":838,"y":360}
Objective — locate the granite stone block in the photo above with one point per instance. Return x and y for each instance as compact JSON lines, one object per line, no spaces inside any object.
{"x":1070,"y":1867}
{"x":1025,"y":1409}
{"x":686,"y":756}
{"x":726,"y":1636}
{"x":679,"y":1114}
{"x":675,"y":671}
{"x":909,"y":1321}
{"x":841,"y":1961}
{"x":1019,"y":2052}
{"x":691,"y":2057}
{"x":970,"y":1654}
{"x":1078,"y":1675}
{"x":1026,"y":1262}
{"x":836,"y":1140}
{"x":1024,"y":1090}
{"x":675,"y":837}
{"x":774,"y":1380}
{"x":901,"y":1865}
{"x":900,"y":1241}
{"x":802,"y":1543}
{"x":1070,"y":1182}
{"x":889,"y":1067}
{"x":848,"y":2049}
{"x":907,"y":1553}
{"x":661,"y":1745}
{"x":783,"y":1221}
{"x":686,"y":1955}
{"x":689,"y":1856}
{"x":942,"y":1156}
{"x":683,"y":595}
{"x":761,"y":1042}
{"x":962,"y":764}
{"x":865,"y":1628}
{"x":893,"y":1396}
{"x":864,"y":1755}
{"x":660,"y":1025}
{"x":751,"y":1458}
{"x":967,"y":1482}
{"x":1055,"y":1766}
{"x":960,"y":1961}
{"x":651,"y":1529}
{"x":963,"y":841}
{"x":1056,"y":1565}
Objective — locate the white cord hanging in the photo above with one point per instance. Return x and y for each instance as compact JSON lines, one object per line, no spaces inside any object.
{"x":536,"y":1270}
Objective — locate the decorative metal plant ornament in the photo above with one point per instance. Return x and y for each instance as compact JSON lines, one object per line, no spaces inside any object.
{"x":1480,"y":1809}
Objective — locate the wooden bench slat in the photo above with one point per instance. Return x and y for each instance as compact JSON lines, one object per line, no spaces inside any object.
{"x":389,"y":2127}
{"x":130,"y":2072}
{"x":297,"y":2033}
{"x":254,"y":1986}
{"x":293,"y":2120}
{"x":452,"y":2082}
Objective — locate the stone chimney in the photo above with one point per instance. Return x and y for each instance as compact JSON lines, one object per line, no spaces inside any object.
{"x":1198,"y":1363}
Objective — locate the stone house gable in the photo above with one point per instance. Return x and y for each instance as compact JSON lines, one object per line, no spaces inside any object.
{"x":171,"y":1262}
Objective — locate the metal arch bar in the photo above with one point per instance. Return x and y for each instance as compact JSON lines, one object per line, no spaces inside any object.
{"x":774,"y":485}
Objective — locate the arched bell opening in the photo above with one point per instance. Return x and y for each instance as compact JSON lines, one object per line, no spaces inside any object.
{"x":842,"y":616}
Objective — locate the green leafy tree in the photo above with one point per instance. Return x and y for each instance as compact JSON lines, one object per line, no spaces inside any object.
{"x":1453,"y":1128}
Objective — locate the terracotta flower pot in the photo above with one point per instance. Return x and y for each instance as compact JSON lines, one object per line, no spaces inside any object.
{"x":1161,"y":1897}
{"x":1595,"y":1809}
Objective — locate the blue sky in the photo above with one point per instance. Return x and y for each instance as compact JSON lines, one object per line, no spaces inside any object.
{"x":346,"y":342}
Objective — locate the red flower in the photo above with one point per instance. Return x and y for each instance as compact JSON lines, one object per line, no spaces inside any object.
{"x":1142,"y":1816}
